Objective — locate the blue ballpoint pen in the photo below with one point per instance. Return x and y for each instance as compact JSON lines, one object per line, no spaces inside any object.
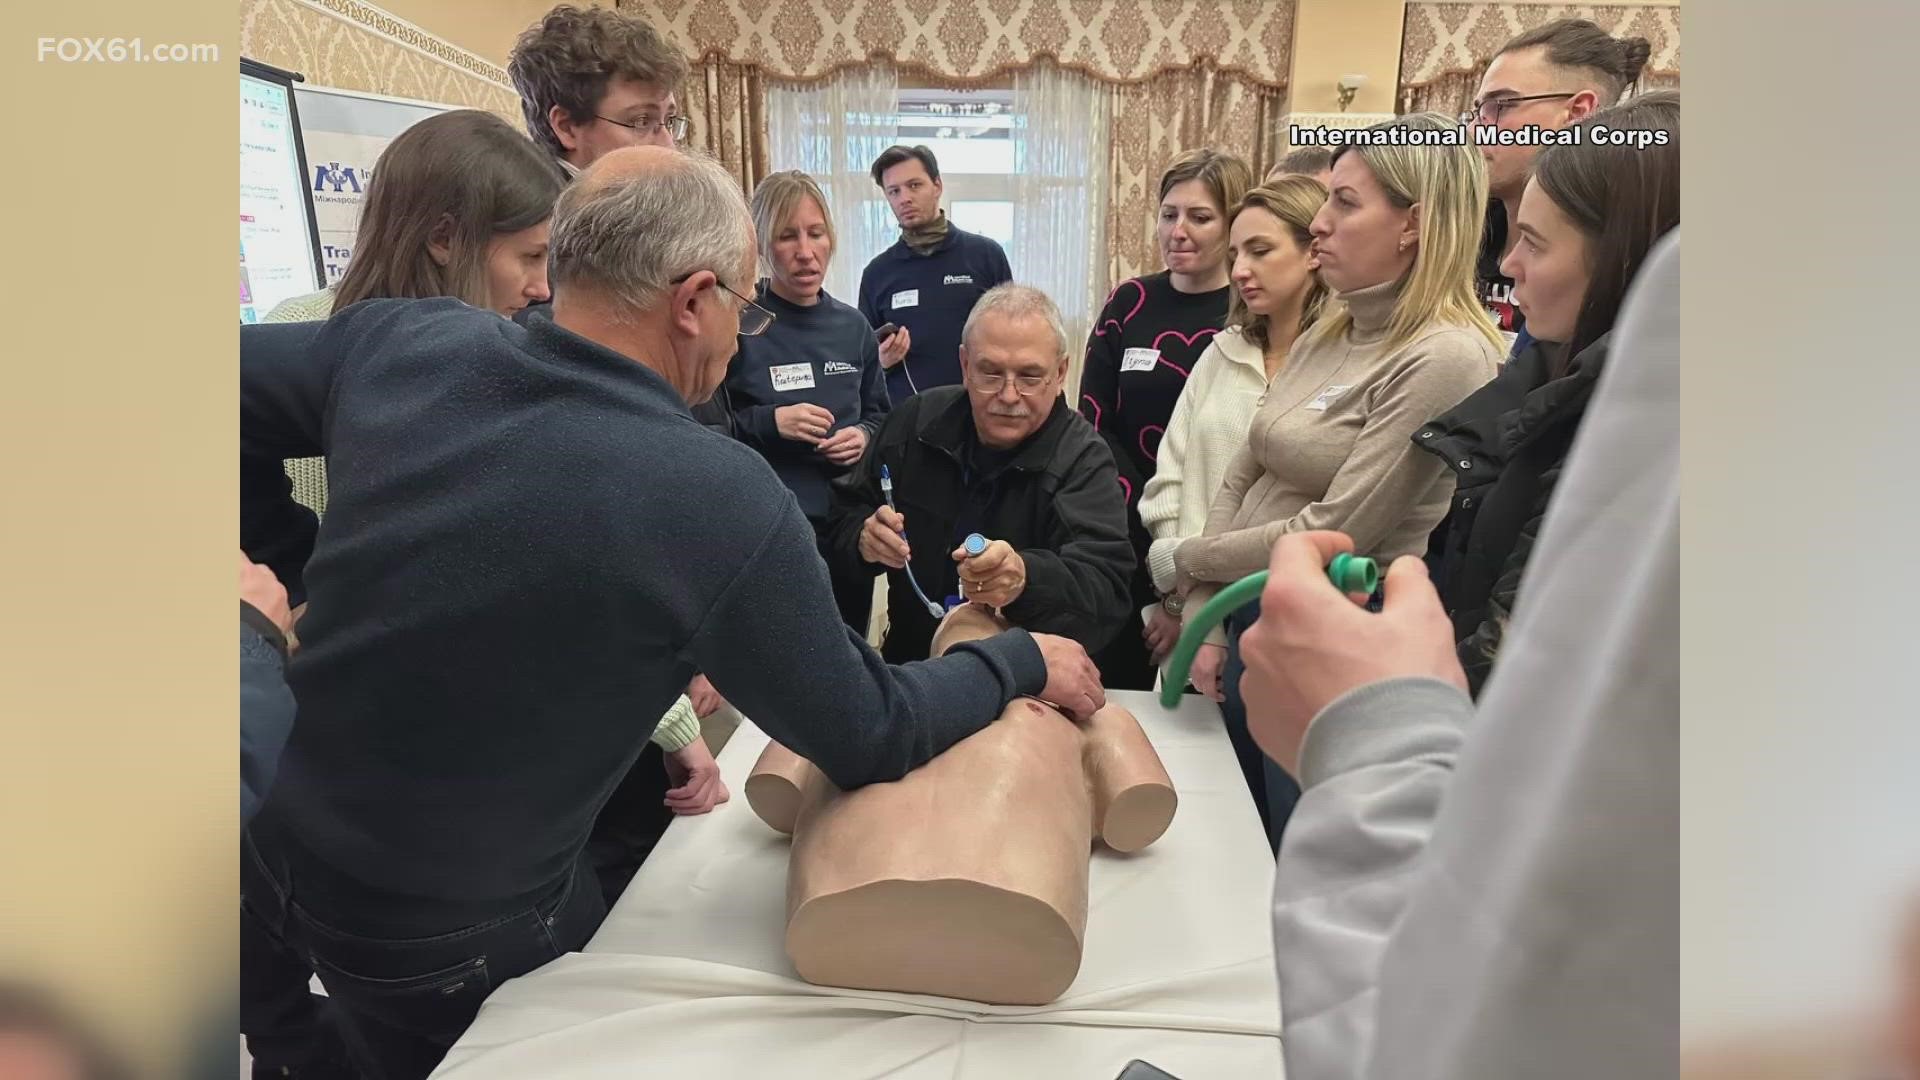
{"x":886,"y":489}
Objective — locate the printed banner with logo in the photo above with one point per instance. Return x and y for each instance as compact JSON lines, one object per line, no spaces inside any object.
{"x":344,"y":133}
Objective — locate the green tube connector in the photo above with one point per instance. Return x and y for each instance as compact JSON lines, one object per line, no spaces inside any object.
{"x":1349,"y":574}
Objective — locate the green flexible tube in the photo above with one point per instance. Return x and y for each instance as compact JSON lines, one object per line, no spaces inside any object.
{"x":1349,"y":574}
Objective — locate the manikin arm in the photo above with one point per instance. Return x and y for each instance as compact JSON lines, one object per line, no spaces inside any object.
{"x":778,"y":785}
{"x":1133,"y":799}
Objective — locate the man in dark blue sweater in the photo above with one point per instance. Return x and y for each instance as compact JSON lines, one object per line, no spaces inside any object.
{"x":529,"y":548}
{"x":927,"y":282}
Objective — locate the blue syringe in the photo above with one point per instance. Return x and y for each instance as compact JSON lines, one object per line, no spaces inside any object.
{"x":886,"y":489}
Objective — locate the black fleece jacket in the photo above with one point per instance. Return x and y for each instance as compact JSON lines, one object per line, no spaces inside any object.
{"x":1056,"y":498}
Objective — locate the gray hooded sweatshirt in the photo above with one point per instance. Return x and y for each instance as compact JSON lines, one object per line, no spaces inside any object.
{"x":1490,"y":894}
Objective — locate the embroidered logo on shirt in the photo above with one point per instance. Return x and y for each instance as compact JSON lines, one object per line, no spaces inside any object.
{"x":791,"y":377}
{"x":840,"y":367}
{"x":1139,"y":359}
{"x":1326,"y":397}
{"x":958,"y":279}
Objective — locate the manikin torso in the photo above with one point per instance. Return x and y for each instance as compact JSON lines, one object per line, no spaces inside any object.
{"x":968,"y":877}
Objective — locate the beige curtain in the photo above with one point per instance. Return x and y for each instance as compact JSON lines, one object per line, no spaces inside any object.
{"x":1451,"y":93}
{"x":725,"y":104}
{"x":1157,"y":120}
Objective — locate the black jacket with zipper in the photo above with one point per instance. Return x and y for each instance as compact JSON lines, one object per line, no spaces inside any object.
{"x":1056,"y":498}
{"x":1506,"y":444}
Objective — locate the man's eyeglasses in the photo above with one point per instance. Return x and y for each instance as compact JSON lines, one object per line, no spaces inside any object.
{"x":1488,"y":111}
{"x":1024,"y":385}
{"x":754,"y":319}
{"x":646,"y":125}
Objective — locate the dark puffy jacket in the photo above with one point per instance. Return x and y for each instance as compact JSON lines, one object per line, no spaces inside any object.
{"x":1506,"y":445}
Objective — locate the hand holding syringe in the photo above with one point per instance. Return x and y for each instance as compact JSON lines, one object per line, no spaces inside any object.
{"x":991,"y":572}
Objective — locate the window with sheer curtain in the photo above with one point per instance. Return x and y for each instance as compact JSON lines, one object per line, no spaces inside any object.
{"x":971,"y":134}
{"x":1026,"y":166}
{"x":1060,"y":180}
{"x":832,"y":131}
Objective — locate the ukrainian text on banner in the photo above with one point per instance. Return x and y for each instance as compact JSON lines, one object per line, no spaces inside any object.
{"x":344,"y":132}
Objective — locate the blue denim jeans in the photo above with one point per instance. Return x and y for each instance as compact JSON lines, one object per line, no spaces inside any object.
{"x":401,"y":1004}
{"x":1274,"y":791}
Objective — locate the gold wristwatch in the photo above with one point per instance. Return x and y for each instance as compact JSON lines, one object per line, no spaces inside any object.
{"x":1173,"y":604}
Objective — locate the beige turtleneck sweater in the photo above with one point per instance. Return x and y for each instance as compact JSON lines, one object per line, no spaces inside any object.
{"x":1330,"y":446}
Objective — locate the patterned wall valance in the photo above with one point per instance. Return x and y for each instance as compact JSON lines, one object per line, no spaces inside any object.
{"x":1116,"y":41}
{"x":1448,"y":39}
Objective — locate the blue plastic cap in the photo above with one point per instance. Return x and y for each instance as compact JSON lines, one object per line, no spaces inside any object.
{"x":975,"y":544}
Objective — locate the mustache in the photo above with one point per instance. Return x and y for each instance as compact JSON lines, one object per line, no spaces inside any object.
{"x":1010,"y":414}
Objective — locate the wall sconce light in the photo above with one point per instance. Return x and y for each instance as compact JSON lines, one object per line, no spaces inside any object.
{"x":1349,"y":86}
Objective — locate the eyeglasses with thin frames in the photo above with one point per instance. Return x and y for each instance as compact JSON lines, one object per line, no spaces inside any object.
{"x":1489,"y":111}
{"x":1024,"y":385}
{"x":645,"y":126}
{"x":754,"y":319}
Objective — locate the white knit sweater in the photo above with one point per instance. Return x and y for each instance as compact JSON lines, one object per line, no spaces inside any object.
{"x":1209,"y":426}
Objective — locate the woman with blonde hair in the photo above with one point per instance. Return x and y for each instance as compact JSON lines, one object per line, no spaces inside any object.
{"x":1329,"y":446}
{"x":809,"y":391}
{"x":1143,"y":348}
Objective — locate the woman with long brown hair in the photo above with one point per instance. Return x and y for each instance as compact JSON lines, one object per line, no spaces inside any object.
{"x":458,"y":207}
{"x":1587,"y":219}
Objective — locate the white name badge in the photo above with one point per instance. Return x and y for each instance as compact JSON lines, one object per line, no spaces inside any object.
{"x":908,"y":298}
{"x":791,"y":377}
{"x":1326,"y":397}
{"x":1139,"y":359}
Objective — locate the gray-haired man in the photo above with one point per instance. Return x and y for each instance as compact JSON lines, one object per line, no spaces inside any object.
{"x":530,"y":546}
{"x":1001,"y":455}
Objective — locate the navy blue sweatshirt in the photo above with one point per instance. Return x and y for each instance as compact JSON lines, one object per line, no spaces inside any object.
{"x":823,"y":354}
{"x":931,"y":295}
{"x":530,"y":547}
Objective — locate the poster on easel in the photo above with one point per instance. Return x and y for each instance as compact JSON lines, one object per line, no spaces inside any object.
{"x":344,"y":132}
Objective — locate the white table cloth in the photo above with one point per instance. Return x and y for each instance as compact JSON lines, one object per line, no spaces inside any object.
{"x":689,"y":975}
